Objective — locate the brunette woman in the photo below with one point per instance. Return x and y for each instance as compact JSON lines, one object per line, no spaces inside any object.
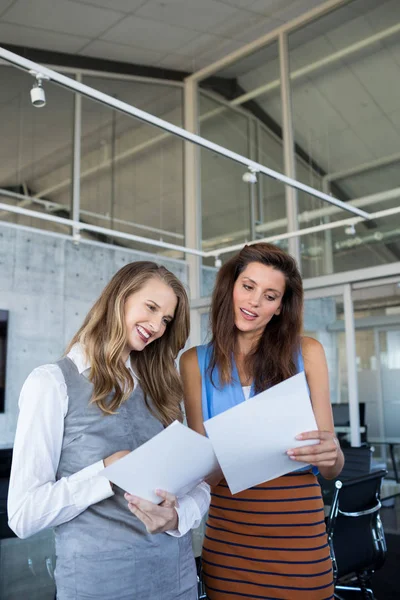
{"x":268,"y":541}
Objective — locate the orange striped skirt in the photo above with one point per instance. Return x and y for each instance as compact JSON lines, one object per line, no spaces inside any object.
{"x":268,"y":542}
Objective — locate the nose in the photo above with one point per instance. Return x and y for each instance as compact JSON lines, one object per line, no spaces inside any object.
{"x":255,"y":299}
{"x":155,"y":325}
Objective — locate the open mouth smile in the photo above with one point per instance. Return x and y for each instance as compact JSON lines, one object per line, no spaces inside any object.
{"x":247,"y":314}
{"x":143,"y":333}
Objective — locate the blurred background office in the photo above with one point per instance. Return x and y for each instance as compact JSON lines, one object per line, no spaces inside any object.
{"x":307,"y":88}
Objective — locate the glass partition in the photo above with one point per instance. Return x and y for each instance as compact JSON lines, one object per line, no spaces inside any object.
{"x":341,"y":67}
{"x":131,"y":172}
{"x":320,"y":318}
{"x":225,"y":201}
{"x":233,"y":211}
{"x":35,"y":149}
{"x":223,"y":124}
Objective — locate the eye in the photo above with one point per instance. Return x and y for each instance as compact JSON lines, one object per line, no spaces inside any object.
{"x":166,"y":321}
{"x":271,"y":298}
{"x":247,"y":287}
{"x":151,"y":307}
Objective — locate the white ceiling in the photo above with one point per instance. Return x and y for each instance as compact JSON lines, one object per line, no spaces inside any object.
{"x":178,"y":34}
{"x":343,"y":114}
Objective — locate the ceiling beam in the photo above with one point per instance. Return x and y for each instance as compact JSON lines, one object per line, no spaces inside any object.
{"x":75,"y":61}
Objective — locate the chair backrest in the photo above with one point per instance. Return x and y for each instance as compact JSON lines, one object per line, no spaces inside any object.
{"x":354,"y":528}
{"x":341,"y":413}
{"x":357,"y":462}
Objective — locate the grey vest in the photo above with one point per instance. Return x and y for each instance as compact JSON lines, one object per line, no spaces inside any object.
{"x":105,"y":553}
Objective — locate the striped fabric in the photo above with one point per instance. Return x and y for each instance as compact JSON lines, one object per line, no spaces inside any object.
{"x":268,"y":542}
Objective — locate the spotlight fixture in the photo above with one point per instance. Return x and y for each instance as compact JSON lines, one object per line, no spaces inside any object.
{"x":218,"y":262}
{"x":350,"y":230}
{"x":250,"y":176}
{"x":38,"y":96}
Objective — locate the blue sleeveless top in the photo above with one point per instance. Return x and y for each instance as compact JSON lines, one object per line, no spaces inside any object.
{"x":216,"y":399}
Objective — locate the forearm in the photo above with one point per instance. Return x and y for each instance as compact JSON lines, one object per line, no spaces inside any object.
{"x":42,"y":504}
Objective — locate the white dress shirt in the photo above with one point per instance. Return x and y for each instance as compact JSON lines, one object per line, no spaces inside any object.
{"x":35,"y":499}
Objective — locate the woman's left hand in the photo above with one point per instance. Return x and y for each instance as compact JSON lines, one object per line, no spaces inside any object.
{"x":156,"y":517}
{"x":323,"y":454}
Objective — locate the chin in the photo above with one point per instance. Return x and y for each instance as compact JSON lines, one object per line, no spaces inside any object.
{"x":245,"y":327}
{"x":137,"y":346}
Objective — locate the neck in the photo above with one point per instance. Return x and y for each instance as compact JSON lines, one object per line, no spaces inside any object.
{"x":245,"y":344}
{"x":125,"y":355}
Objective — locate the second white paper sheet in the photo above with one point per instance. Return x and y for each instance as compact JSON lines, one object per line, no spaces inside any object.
{"x":251,"y":439}
{"x":175,"y":460}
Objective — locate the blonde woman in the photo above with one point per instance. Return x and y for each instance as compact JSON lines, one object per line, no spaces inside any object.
{"x":116,"y":388}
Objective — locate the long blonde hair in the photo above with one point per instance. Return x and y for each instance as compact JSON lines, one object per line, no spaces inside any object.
{"x":103,"y":337}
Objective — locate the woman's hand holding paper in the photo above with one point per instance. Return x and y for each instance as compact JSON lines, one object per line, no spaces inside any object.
{"x":157,"y":518}
{"x":323,"y":454}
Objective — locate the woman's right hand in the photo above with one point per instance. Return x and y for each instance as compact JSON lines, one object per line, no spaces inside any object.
{"x":114,"y":457}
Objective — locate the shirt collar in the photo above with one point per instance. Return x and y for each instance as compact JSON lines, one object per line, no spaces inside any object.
{"x":77,"y":355}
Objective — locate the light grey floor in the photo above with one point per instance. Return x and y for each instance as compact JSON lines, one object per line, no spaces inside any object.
{"x":26,"y":568}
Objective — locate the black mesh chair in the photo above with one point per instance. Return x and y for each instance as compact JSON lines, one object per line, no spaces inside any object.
{"x":357,"y":462}
{"x":201,"y":590}
{"x":355,"y":532}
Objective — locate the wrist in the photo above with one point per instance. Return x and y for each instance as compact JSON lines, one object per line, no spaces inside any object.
{"x":175,"y":520}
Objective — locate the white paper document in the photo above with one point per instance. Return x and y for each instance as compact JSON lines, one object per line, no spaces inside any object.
{"x":175,"y":460}
{"x":252,"y":438}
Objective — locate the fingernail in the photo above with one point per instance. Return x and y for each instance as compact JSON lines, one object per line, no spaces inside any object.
{"x":290,"y":452}
{"x":298,"y":437}
{"x":292,"y":457}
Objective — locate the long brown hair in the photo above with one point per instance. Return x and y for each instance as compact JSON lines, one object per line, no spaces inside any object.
{"x":103,"y":337}
{"x":273,"y":359}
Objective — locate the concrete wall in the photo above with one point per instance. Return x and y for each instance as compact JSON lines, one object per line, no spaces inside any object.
{"x":48,"y":284}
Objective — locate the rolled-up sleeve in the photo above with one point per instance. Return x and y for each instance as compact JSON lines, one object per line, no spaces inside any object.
{"x":192,"y":508}
{"x":35,"y":499}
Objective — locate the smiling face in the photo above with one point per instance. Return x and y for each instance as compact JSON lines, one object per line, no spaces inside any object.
{"x":257,"y":297}
{"x":147,"y":314}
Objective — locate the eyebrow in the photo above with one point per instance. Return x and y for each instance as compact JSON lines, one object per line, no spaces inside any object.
{"x":267,"y":290}
{"x":170,"y":317}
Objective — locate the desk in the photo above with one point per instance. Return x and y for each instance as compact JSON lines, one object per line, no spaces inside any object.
{"x":391,"y":443}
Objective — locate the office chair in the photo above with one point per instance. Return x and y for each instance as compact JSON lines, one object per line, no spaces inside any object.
{"x":355,"y":533}
{"x":357,"y":462}
{"x":201,"y":589}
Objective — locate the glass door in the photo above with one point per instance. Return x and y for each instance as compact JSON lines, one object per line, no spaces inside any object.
{"x":329,"y":318}
{"x":320,"y":322}
{"x":389,"y":360}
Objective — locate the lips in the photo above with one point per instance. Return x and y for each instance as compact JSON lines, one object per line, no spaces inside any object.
{"x":143,"y":333}
{"x":248,"y":315}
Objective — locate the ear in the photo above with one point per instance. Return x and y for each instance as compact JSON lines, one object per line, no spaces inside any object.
{"x":278,"y":310}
